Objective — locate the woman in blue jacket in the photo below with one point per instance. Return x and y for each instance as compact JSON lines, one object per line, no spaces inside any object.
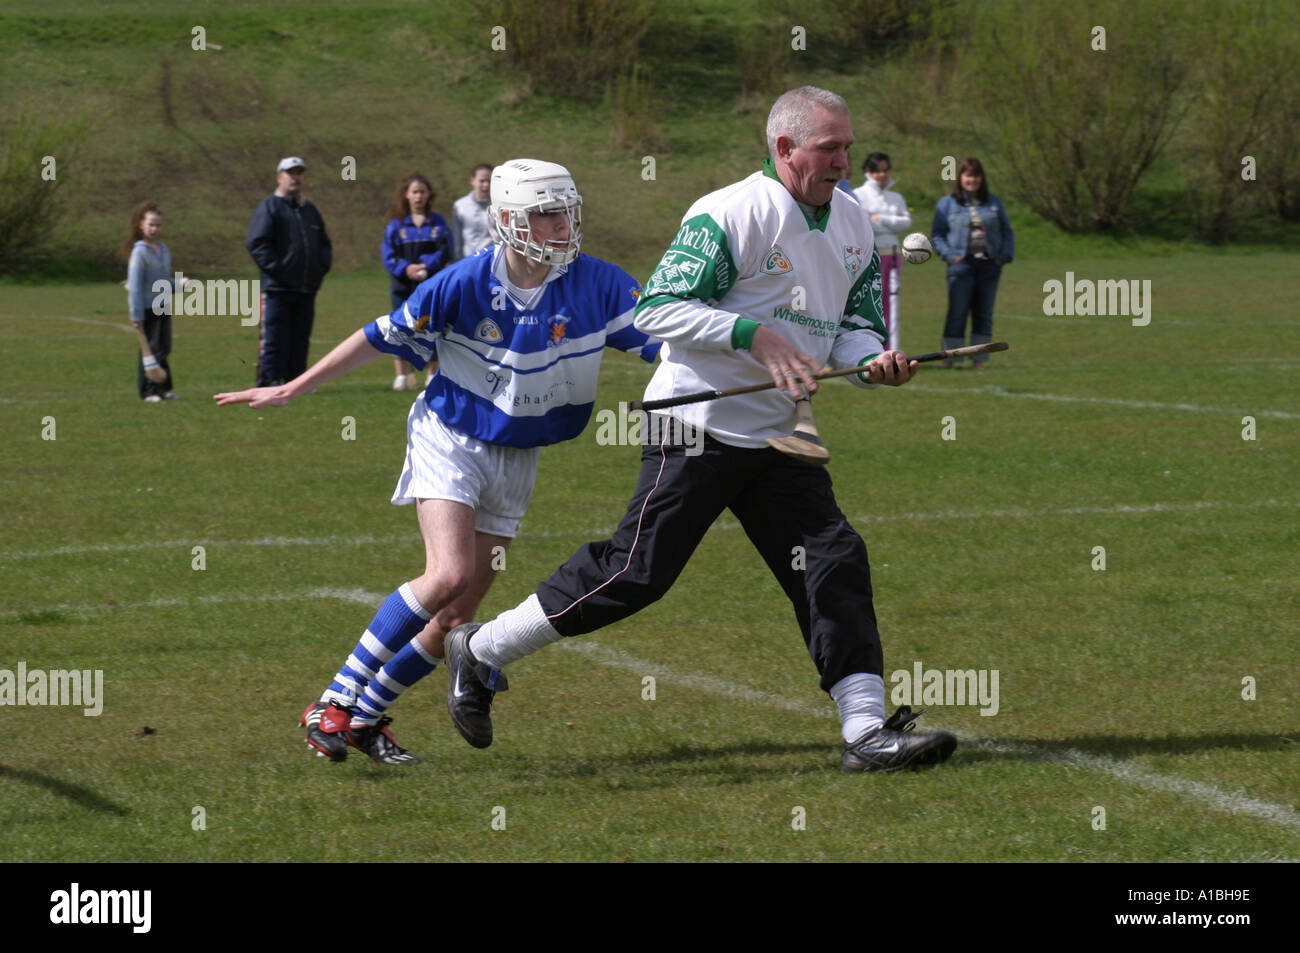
{"x":971,"y":233}
{"x":417,"y":245}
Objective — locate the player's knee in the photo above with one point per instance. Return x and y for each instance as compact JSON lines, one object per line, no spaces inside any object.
{"x":448,"y":583}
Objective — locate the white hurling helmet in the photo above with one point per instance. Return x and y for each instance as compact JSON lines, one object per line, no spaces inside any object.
{"x":521,"y":186}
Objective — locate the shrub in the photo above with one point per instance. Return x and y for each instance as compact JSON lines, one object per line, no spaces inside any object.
{"x":27,"y":198}
{"x":1076,"y":128}
{"x":574,"y":47}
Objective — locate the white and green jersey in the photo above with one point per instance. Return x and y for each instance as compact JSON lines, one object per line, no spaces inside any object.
{"x":749,"y":255}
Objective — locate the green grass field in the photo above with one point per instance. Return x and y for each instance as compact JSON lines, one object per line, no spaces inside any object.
{"x":1119,"y":689}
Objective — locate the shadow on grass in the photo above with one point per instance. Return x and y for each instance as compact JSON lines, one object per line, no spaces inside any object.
{"x":73,"y":792}
{"x":655,"y":767}
{"x":743,"y":763}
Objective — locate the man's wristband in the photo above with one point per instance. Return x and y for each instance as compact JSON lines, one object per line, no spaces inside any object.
{"x":742,"y":334}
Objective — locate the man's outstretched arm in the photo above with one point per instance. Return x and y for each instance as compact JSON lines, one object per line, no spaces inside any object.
{"x":347,"y":356}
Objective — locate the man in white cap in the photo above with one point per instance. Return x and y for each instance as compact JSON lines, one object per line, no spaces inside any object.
{"x":288,"y":241}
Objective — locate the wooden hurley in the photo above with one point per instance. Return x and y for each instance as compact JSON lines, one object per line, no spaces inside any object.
{"x":805,"y":443}
{"x":735,"y":391}
{"x":152,"y":369}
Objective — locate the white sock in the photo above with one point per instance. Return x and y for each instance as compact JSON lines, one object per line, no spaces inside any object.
{"x":861,"y":698}
{"x":513,"y":634}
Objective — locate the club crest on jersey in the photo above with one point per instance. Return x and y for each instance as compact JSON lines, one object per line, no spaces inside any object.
{"x":488,"y":332}
{"x":677,"y":273}
{"x":853,"y":259}
{"x":777,"y":262}
{"x":556,"y":327}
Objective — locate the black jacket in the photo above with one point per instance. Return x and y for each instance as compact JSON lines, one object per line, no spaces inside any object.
{"x":290,"y":245}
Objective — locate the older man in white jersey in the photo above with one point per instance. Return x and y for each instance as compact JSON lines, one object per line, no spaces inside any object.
{"x":768,"y":279}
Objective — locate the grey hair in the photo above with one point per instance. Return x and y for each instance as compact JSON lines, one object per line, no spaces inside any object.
{"x":792,"y":113}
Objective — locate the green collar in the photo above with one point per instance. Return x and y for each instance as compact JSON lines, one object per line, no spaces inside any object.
{"x":817,"y":224}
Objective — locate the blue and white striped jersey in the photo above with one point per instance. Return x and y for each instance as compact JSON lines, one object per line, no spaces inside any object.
{"x":520,"y":373}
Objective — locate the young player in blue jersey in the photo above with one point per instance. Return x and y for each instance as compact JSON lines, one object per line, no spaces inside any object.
{"x":519,"y":330}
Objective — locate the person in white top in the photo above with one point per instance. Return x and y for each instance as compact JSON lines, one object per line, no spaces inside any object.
{"x":889,"y":220}
{"x":471,"y":225}
{"x":767,"y":281}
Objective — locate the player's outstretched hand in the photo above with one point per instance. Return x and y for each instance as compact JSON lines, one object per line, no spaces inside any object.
{"x":790,"y":367}
{"x":255,"y":397}
{"x":892,"y":368}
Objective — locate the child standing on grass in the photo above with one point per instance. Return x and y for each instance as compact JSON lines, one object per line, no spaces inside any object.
{"x":150,"y":261}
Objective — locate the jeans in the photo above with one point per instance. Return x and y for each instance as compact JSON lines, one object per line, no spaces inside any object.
{"x":287,"y":318}
{"x":972,"y":288}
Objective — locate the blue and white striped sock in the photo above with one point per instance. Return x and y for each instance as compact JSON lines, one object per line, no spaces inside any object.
{"x":398,"y":620}
{"x":411,"y":663}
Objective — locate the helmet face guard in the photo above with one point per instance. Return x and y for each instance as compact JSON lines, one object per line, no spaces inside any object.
{"x":523,"y":187}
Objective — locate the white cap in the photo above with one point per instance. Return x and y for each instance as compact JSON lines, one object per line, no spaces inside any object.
{"x":292,"y":162}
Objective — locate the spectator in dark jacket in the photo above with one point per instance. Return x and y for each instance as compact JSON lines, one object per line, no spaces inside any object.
{"x":287,"y":239}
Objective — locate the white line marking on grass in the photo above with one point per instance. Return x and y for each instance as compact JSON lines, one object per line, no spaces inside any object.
{"x":1228,"y":802}
{"x":616,"y":658}
{"x":373,"y":599}
{"x":123,"y":326}
{"x":1116,"y":509}
{"x":1112,"y":401}
{"x":268,"y":541}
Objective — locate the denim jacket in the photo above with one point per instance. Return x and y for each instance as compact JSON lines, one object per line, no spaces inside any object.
{"x":951,"y":229}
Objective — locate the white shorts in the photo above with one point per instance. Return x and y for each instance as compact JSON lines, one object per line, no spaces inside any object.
{"x":445,"y":464}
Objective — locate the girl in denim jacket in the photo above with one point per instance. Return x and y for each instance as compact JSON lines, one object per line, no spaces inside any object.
{"x":971,"y":233}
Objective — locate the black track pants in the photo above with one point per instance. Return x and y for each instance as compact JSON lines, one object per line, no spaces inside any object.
{"x":787,"y":509}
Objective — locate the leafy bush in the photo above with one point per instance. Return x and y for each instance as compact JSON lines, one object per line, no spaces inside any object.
{"x":632,"y":107}
{"x":1075,"y":128}
{"x":572,"y":47}
{"x":27,"y":198}
{"x":1247,"y":87}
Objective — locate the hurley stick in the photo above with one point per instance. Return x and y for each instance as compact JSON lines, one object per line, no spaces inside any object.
{"x":152,"y":369}
{"x":734,"y":391}
{"x":805,"y":443}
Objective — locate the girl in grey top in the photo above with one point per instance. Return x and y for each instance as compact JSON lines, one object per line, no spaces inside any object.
{"x":150,"y":262}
